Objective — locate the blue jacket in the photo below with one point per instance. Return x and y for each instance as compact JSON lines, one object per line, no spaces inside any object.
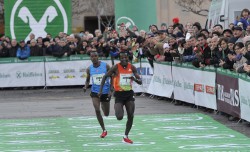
{"x":244,"y":21}
{"x":23,"y":53}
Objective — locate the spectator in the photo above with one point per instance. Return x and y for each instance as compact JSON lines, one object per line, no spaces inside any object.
{"x":4,"y":51}
{"x":35,"y":50}
{"x":244,"y":18}
{"x":23,"y":52}
{"x":13,"y":48}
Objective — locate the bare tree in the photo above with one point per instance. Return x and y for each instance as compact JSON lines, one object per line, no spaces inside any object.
{"x":194,"y":6}
{"x":101,"y":8}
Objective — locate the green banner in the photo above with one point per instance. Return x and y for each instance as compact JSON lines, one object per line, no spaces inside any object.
{"x":23,"y":17}
{"x":141,"y":13}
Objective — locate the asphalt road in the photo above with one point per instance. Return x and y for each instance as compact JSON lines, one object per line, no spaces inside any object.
{"x":70,"y":102}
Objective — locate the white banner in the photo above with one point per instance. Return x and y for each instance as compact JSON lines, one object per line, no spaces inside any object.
{"x":244,"y":87}
{"x":183,"y":79}
{"x":22,"y":74}
{"x":146,"y":73}
{"x":161,"y":83}
{"x":204,"y":87}
{"x":66,"y":72}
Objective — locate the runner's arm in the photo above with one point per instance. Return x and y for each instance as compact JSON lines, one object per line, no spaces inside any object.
{"x":137,"y":78}
{"x":87,"y":80}
{"x":108,"y":74}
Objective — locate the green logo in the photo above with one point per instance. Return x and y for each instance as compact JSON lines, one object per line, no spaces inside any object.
{"x":24,"y":17}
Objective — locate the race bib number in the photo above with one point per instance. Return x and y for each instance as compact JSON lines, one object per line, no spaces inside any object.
{"x":97,"y":79}
{"x":125,"y":79}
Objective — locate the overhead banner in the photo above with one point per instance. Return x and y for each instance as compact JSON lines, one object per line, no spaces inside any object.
{"x":22,"y":74}
{"x":146,"y":73}
{"x":161,"y":83}
{"x":141,"y":13}
{"x":204,"y":87}
{"x":23,"y":17}
{"x":228,"y":99}
{"x":244,"y":87}
{"x":183,"y":79}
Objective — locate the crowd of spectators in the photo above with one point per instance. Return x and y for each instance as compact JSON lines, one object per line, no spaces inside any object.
{"x":226,"y":47}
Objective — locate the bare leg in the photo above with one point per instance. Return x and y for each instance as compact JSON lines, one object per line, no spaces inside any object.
{"x":130,"y":107}
{"x":105,"y":108}
{"x":96,"y":104}
{"x":119,"y":112}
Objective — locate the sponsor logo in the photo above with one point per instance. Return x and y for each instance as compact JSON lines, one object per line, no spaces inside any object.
{"x":198,"y":87}
{"x":54,"y":77}
{"x":231,"y":97}
{"x":20,"y":75}
{"x":126,"y":20}
{"x":4,"y":76}
{"x":210,"y":90}
{"x":40,"y":21}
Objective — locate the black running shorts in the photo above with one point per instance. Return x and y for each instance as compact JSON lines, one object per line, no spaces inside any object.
{"x":124,"y":96}
{"x":103,"y":98}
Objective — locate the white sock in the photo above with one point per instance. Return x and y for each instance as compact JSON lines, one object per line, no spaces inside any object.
{"x":125,"y":136}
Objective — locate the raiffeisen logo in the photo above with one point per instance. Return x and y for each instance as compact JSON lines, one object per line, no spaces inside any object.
{"x":38,"y":17}
{"x":20,"y":75}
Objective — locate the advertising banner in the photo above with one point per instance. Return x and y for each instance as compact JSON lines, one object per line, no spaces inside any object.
{"x":146,"y":73}
{"x":204,"y":88}
{"x":22,"y":74}
{"x":161,"y":83}
{"x":66,"y":72}
{"x":244,"y":87}
{"x":183,"y":80}
{"x":23,"y":17}
{"x":228,"y":99}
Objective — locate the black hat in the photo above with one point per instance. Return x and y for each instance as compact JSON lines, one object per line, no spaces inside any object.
{"x":22,"y":41}
{"x":46,"y":40}
{"x":237,"y":28}
{"x":227,"y":30}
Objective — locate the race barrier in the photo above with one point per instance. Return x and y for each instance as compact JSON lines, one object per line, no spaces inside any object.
{"x":217,"y":89}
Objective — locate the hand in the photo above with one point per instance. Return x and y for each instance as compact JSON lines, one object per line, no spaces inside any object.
{"x":99,"y":94}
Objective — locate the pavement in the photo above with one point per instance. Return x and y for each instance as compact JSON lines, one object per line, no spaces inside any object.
{"x":72,"y":102}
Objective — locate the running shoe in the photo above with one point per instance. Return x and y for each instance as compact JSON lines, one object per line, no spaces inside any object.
{"x":104,"y":134}
{"x":127,"y":140}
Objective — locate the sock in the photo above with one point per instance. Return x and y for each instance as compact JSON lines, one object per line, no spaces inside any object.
{"x":125,"y":136}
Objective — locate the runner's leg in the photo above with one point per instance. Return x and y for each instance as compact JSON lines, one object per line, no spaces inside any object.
{"x":119,"y":112}
{"x":96,"y":104}
{"x":105,"y":108}
{"x":130,"y":107}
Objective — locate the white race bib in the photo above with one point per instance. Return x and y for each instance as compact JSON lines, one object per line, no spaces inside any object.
{"x":97,"y":78}
{"x":125,"y":79}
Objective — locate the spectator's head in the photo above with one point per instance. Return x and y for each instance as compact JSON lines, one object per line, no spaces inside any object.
{"x":163,"y":26}
{"x":216,"y":33}
{"x":33,"y":42}
{"x":247,"y":45}
{"x":142,"y":33}
{"x":32,"y":36}
{"x":98,"y":33}
{"x":170,"y":29}
{"x":201,"y":38}
{"x":153,"y":28}
{"x":237,"y":47}
{"x":245,"y":13}
{"x":192,"y":41}
{"x":231,"y":25}
{"x":13,"y":42}
{"x":231,"y":42}
{"x":237,"y":31}
{"x":223,"y":43}
{"x":248,"y":29}
{"x":22,"y":43}
{"x":218,"y":28}
{"x":196,"y":27}
{"x":227,"y":33}
{"x":205,"y":32}
{"x":214,"y":42}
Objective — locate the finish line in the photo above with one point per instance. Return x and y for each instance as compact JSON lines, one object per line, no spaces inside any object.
{"x":161,"y":133}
